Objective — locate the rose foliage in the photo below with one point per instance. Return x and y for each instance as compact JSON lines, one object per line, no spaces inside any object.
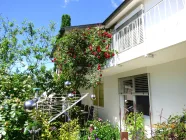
{"x":81,"y":54}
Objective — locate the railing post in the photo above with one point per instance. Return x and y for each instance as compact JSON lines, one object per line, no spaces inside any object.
{"x":132,"y":34}
{"x":116,"y":41}
{"x":114,"y":44}
{"x":118,"y":36}
{"x":170,"y":7}
{"x":177,"y":6}
{"x":184,"y":3}
{"x":165,"y":9}
{"x":143,"y":26}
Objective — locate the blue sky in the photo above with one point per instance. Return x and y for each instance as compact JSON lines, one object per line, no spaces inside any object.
{"x":42,"y":11}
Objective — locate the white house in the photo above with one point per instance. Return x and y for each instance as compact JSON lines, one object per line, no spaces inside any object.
{"x":150,"y":69}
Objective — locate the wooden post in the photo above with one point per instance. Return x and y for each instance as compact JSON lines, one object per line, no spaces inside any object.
{"x":124,"y":135}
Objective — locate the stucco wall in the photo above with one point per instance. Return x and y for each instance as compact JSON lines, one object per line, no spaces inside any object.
{"x":110,"y":110}
{"x":87,"y":100}
{"x":168,"y":88}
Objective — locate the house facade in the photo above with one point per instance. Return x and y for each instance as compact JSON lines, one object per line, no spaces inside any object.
{"x":150,"y":68}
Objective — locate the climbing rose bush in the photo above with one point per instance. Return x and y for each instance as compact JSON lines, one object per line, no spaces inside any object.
{"x":81,"y":55}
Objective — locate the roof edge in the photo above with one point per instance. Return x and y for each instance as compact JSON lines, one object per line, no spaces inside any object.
{"x":82,"y":26}
{"x":126,"y":2}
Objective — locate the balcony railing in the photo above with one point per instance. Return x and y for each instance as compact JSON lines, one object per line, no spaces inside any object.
{"x":130,"y":35}
{"x":162,"y":11}
{"x":133,"y":33}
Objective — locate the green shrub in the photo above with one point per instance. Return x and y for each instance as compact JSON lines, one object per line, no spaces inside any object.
{"x":173,"y":128}
{"x":100,"y":130}
{"x":69,"y":130}
{"x":135,"y":126}
{"x":23,"y":50}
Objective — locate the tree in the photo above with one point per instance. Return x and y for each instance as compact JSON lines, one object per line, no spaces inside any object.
{"x":65,"y":21}
{"x":24,"y":51}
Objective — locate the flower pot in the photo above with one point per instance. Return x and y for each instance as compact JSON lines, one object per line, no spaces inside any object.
{"x":124,"y":135}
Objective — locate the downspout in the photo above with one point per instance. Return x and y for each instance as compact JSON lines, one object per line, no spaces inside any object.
{"x":119,"y":114}
{"x":150,"y":103}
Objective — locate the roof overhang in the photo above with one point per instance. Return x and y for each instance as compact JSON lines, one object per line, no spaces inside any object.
{"x":82,"y":26}
{"x":120,"y":12}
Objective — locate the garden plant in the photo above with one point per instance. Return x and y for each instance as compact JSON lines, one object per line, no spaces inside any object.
{"x":134,"y":125}
{"x":25,"y":52}
{"x":101,"y":130}
{"x":174,"y":128}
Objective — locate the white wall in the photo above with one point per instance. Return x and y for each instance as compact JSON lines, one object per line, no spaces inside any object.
{"x":168,"y":88}
{"x":87,"y":100}
{"x":110,"y":110}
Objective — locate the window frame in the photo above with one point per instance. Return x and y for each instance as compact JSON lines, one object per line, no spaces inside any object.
{"x":134,"y":94}
{"x":98,"y":96}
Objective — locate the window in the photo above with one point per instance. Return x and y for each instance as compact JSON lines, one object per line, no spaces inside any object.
{"x":134,"y":85}
{"x":130,"y":33}
{"x":99,"y":92}
{"x":135,"y":90}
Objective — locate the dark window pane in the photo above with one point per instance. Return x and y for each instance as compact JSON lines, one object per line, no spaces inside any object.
{"x":142,"y":104}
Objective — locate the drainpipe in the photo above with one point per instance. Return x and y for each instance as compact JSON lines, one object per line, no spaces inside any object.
{"x":119,"y":114}
{"x":150,"y":102}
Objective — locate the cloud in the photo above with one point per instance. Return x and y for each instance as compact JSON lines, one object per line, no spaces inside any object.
{"x":66,"y":2}
{"x":114,"y":4}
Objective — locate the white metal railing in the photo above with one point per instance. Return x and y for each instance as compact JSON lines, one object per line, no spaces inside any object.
{"x":68,"y":107}
{"x":133,"y":33}
{"x":130,"y":35}
{"x":162,"y":11}
{"x":56,"y":105}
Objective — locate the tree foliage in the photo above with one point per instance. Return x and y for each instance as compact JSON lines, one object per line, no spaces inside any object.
{"x":24,"y":53}
{"x":24,"y":46}
{"x":24,"y":50}
{"x":65,"y":20}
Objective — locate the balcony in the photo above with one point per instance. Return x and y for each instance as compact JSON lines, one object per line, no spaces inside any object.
{"x":158,"y":27}
{"x":161,"y":25}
